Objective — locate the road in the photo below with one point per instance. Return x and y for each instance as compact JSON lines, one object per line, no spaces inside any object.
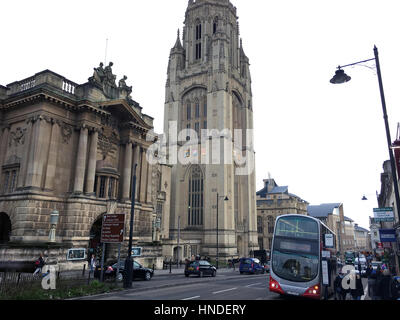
{"x":226,"y":286}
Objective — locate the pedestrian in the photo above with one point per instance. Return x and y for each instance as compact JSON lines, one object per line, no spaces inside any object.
{"x":371,"y":275}
{"x":395,"y":288}
{"x":385,"y":284}
{"x":377,"y":293}
{"x":92,"y":263}
{"x":358,"y":292}
{"x":340,"y":292}
{"x":39,"y":263}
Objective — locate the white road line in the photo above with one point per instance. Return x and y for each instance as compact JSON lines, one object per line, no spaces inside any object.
{"x":191,"y":298}
{"x":224,"y":290}
{"x":254,"y":284}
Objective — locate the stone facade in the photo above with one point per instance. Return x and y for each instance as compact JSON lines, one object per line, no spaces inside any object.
{"x":72,"y":148}
{"x":272,"y":202}
{"x":209,"y":87}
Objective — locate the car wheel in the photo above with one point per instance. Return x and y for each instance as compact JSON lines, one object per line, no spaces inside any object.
{"x":147,"y":276}
{"x":120,"y":277}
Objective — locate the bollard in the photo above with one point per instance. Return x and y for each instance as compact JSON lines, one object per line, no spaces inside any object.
{"x":84,"y":268}
{"x":153,"y":266}
{"x":19,"y":277}
{"x":170,"y":265}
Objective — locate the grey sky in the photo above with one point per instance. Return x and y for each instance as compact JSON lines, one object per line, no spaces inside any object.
{"x":326,"y":142}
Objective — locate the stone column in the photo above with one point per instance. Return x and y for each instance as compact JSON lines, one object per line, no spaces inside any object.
{"x":127,"y":172}
{"x":4,"y":143}
{"x":91,"y":173}
{"x":136,"y":160}
{"x":149,"y":183}
{"x":37,"y":155}
{"x":52,"y":160}
{"x":25,"y":157}
{"x":143,"y":177}
{"x":81,"y":161}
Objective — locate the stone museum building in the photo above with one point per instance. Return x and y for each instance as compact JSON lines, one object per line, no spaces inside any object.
{"x":213,"y":208}
{"x":272,"y":202}
{"x":72,"y":148}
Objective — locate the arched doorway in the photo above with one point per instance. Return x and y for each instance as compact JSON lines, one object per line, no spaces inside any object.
{"x":5,"y":228}
{"x":95,"y":246}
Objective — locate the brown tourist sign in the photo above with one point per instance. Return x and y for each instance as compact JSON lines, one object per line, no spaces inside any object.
{"x":112,"y":230}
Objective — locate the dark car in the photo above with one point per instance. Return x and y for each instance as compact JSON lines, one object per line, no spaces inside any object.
{"x":200,"y":268}
{"x":139,"y":272}
{"x":251,"y":265}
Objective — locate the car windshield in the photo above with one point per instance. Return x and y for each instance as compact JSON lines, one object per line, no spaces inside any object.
{"x":204,"y":263}
{"x":294,"y":266}
{"x":247,"y":261}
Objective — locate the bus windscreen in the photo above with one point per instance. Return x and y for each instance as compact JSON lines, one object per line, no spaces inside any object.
{"x":297,"y":227}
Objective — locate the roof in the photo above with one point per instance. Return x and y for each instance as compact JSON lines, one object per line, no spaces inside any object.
{"x":348,"y":219}
{"x":358,"y":228}
{"x":322,"y":210}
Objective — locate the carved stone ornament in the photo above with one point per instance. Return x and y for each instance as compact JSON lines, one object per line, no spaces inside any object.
{"x":17,"y":137}
{"x":66,"y":133}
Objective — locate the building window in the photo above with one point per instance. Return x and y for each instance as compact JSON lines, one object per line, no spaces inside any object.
{"x":10,"y":177}
{"x":197,"y":110}
{"x":260,"y":225}
{"x":197,"y":128}
{"x":215,"y":25}
{"x":196,"y":197}
{"x":205,"y":109}
{"x":106,"y":187}
{"x":271,"y":226}
{"x":189,"y":112}
{"x":198,"y":41}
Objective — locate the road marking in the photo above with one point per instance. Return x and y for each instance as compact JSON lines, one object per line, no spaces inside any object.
{"x":191,"y":298}
{"x":254,"y":284}
{"x":224,"y":290}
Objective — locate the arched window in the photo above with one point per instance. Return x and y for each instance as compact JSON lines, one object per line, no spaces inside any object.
{"x":196,"y":197}
{"x":215,"y":25}
{"x":271,"y":225}
{"x":198,"y":40}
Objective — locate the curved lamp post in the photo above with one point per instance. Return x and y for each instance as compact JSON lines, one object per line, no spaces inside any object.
{"x":341,"y":77}
{"x":225,"y":199}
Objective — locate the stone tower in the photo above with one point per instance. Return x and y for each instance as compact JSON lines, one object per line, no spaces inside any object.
{"x":209,"y":88}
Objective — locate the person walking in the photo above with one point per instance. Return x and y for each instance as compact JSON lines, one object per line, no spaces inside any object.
{"x":395,"y":288}
{"x":385,"y":284}
{"x":340,"y":292}
{"x":39,"y":263}
{"x":377,"y":292}
{"x":371,"y":275}
{"x":358,"y":292}
{"x":92,"y":264}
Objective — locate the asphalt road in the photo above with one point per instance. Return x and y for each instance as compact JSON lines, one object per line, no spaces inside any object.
{"x":222,"y":287}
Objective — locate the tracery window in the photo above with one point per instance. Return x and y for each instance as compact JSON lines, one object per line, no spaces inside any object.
{"x":196,"y":197}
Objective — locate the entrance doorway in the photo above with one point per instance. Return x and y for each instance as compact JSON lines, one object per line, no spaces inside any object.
{"x":5,"y":228}
{"x":95,"y":246}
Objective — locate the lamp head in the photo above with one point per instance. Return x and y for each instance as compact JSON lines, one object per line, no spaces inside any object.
{"x":340,"y":77}
{"x":54,"y":217}
{"x":364,"y":198}
{"x":226,"y":199}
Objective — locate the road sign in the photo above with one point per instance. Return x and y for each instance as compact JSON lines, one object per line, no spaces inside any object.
{"x":383,"y":215}
{"x":136,"y":252}
{"x":387,"y":235}
{"x":112,"y":230}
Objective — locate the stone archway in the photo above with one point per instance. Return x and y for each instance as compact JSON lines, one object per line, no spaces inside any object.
{"x":5,"y":228}
{"x":95,"y":246}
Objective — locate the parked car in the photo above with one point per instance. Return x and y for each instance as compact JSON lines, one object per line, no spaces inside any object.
{"x":139,"y":272}
{"x":200,"y":268}
{"x":251,"y":265}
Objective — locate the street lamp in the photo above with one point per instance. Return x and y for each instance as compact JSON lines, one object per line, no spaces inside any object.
{"x":341,"y":77}
{"x":128,"y":261}
{"x":226,"y":199}
{"x":53,"y":222}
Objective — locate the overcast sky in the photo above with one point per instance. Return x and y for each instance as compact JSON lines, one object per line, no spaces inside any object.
{"x":326,"y":142}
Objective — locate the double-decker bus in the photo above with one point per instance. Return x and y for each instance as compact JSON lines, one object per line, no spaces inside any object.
{"x":303,"y":261}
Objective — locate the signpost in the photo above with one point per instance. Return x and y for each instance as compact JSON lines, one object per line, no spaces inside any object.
{"x":383,"y":215}
{"x":112,"y":231}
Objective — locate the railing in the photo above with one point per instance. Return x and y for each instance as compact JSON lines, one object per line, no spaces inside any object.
{"x":68,"y":87}
{"x":27,"y":84}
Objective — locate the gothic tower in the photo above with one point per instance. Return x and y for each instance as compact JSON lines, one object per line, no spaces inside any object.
{"x":209,"y":87}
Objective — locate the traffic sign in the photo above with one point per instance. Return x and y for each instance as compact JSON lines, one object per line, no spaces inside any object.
{"x":112,"y":230}
{"x":136,"y":252}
